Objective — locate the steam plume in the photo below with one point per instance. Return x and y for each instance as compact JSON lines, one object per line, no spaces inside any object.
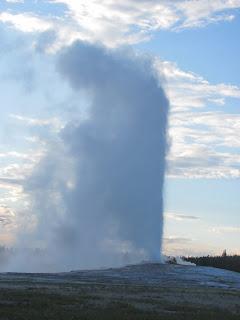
{"x":97,"y":194}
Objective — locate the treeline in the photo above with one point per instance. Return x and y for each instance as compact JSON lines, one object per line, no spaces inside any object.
{"x":223,"y":262}
{"x":7,"y":254}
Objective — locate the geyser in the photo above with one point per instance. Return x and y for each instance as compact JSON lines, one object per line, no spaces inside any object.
{"x":97,"y":194}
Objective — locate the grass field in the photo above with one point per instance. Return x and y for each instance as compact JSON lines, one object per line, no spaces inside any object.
{"x":116,"y":295}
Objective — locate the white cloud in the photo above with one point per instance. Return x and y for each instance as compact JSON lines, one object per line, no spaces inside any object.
{"x":15,"y":1}
{"x":26,"y":22}
{"x":14,"y":154}
{"x":183,"y":246}
{"x":112,"y":22}
{"x":201,"y":13}
{"x":203,"y":143}
{"x":107,"y":15}
{"x":180,"y":216}
{"x":196,"y":90}
{"x":225,"y":229}
{"x":64,"y":31}
{"x":6,"y":215}
{"x":17,"y":171}
{"x":128,"y":22}
{"x":176,"y":240}
{"x":54,"y":123}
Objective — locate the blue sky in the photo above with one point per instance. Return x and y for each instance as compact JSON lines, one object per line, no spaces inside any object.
{"x":196,"y":48}
{"x":211,"y":52}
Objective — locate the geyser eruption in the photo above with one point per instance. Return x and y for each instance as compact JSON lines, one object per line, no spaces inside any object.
{"x":97,"y":195}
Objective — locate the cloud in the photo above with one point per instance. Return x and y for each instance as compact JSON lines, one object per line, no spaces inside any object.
{"x":54,"y":123}
{"x":176,"y":245}
{"x":196,"y":90}
{"x":225,"y":229}
{"x":204,"y":145}
{"x":15,"y":1}
{"x":26,"y":22}
{"x":180,"y":217}
{"x":17,"y":171}
{"x":201,"y":13}
{"x":176,"y":240}
{"x":16,"y":166}
{"x":14,"y":154}
{"x":146,"y":16}
{"x":10,"y":181}
{"x":204,"y":139}
{"x":6,"y":216}
{"x":116,"y":24}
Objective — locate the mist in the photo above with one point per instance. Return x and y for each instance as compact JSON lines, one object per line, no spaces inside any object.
{"x":97,"y":195}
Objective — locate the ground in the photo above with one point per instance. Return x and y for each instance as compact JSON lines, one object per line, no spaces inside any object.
{"x":145,"y":291}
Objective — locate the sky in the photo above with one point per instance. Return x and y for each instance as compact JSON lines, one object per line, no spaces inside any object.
{"x":195,"y":48}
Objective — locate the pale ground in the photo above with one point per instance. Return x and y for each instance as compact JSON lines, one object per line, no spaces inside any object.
{"x":144,"y":291}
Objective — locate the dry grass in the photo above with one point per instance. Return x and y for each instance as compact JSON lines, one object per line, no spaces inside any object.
{"x":87,"y":296}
